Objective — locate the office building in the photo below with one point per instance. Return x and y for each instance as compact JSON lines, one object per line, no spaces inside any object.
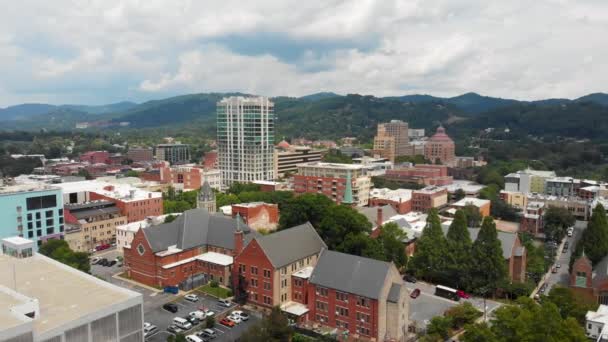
{"x":392,"y":139}
{"x":440,"y":148}
{"x":562,"y":186}
{"x":42,"y":300}
{"x":245,"y":139}
{"x":528,"y":181}
{"x":175,"y":154}
{"x":342,"y":183}
{"x":33,"y":211}
{"x":91,"y":224}
{"x":140,"y":154}
{"x":428,"y":198}
{"x":287,"y":158}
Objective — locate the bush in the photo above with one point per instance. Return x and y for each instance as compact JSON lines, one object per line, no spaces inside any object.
{"x":209,"y":322}
{"x":214,"y":284}
{"x":440,"y":326}
{"x":462,"y":314}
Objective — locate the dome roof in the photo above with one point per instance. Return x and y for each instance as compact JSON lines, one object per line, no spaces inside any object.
{"x":283,"y":144}
{"x":440,"y":135}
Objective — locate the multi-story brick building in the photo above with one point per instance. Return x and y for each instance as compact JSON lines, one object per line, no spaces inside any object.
{"x":532,"y":218}
{"x":258,"y":215}
{"x":210,"y":160}
{"x":440,"y":147}
{"x":91,"y":224}
{"x":187,"y":252}
{"x":588,"y":280}
{"x":140,"y":154}
{"x":331,"y":180}
{"x":262,"y":271}
{"x":421,"y":174}
{"x":363,"y":296}
{"x":94,"y":157}
{"x":187,"y":177}
{"x":430,"y":197}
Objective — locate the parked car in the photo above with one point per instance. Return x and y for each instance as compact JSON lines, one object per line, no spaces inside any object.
{"x":463,"y":294}
{"x":410,"y":278}
{"x":102,"y":247}
{"x":225,"y":321}
{"x":225,"y":302}
{"x":558,"y":265}
{"x":103,"y":262}
{"x":182,"y":323}
{"x":208,"y":333}
{"x":415,"y":294}
{"x":171,"y":307}
{"x":192,"y":320}
{"x":174,"y":329}
{"x":243,"y":316}
{"x":151,"y":330}
{"x":235,"y":318}
{"x":554,"y":269}
{"x":206,"y":311}
{"x":565,"y":249}
{"x":198,"y":314}
{"x":147,"y":325}
{"x":566,"y":244}
{"x":191,"y":297}
{"x":194,"y":338}
{"x":95,"y":260}
{"x":111,"y":263}
{"x":570,"y":233}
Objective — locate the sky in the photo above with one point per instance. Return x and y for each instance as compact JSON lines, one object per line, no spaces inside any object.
{"x":96,"y":52}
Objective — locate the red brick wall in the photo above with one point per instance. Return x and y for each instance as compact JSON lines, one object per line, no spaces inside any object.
{"x":253,"y":255}
{"x":304,"y":184}
{"x":95,"y":157}
{"x":141,"y":268}
{"x":190,"y":179}
{"x":210,"y":160}
{"x":255,"y":215}
{"x":134,"y":210}
{"x":352,"y":307}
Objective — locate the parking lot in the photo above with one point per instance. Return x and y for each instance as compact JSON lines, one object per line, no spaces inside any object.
{"x":162,"y":319}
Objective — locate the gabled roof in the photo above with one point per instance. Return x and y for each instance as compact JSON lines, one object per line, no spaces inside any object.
{"x":289,"y":245}
{"x":600,"y":271}
{"x":350,"y":273}
{"x":194,"y":228}
{"x":371,"y":213}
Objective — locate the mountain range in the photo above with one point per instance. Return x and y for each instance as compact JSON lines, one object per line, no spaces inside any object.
{"x":331,"y":115}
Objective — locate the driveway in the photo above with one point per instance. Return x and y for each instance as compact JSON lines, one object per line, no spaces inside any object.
{"x":427,"y":305}
{"x":162,"y":319}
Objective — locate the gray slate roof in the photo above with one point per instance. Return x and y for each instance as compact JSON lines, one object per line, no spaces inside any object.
{"x":600,"y":271}
{"x":507,"y":240}
{"x":395,"y":292}
{"x":289,"y":245}
{"x":350,"y":273}
{"x":372,"y":213}
{"x":195,"y":228}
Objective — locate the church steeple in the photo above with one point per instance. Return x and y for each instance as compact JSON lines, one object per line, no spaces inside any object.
{"x":206,"y":197}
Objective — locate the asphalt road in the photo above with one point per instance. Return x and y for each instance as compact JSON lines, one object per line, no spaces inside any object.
{"x":562,"y":275}
{"x":427,"y":305}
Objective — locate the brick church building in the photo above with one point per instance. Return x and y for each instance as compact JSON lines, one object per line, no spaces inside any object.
{"x":590,"y":281}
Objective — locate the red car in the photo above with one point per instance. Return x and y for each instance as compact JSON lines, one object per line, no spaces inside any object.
{"x":225,"y":321}
{"x":102,"y":247}
{"x":463,"y":294}
{"x":415,"y":294}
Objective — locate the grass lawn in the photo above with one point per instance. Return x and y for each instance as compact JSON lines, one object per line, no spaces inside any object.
{"x":219,"y":292}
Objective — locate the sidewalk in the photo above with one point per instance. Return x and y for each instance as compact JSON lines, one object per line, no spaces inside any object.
{"x":117,"y":276}
{"x":548,"y":274}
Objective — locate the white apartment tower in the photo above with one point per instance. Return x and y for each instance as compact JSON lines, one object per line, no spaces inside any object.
{"x":245,"y":139}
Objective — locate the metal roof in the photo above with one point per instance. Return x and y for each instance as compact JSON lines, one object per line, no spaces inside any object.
{"x":350,"y":273}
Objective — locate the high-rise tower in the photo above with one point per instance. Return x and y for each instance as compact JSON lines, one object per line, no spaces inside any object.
{"x":245,"y":139}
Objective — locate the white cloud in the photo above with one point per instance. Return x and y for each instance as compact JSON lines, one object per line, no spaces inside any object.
{"x":99,"y":51}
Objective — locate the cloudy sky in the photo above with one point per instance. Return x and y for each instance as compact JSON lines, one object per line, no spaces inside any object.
{"x":94,"y":52}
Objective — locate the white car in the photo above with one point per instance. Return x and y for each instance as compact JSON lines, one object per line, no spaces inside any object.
{"x":243,"y":316}
{"x":150,"y":330}
{"x":235,"y":318}
{"x":95,"y":260}
{"x":225,"y":302}
{"x":147,"y":325}
{"x":191,"y":297}
{"x":193,"y":338}
{"x":198,"y":314}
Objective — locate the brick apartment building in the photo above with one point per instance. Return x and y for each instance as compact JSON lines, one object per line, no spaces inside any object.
{"x":258,"y":215}
{"x":262,"y":271}
{"x":210,"y":160}
{"x":400,"y":199}
{"x":363,"y":296}
{"x":140,"y":154}
{"x":94,"y":157}
{"x":421,"y":174}
{"x":331,"y":180}
{"x":532,"y":218}
{"x":136,"y":205}
{"x":187,"y":252}
{"x":428,"y":198}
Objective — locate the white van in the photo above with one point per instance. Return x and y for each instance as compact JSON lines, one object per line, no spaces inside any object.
{"x":193,"y":338}
{"x":182,"y":323}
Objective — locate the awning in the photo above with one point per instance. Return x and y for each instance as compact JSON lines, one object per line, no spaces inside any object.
{"x":294,"y":308}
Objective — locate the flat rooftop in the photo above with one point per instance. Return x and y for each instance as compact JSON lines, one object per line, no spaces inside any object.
{"x":28,"y":187}
{"x":64,"y":294}
{"x":478,"y":202}
{"x":121,"y":191}
{"x":9,"y":319}
{"x":325,"y":165}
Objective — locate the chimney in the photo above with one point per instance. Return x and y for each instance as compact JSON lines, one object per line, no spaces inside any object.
{"x":132,"y":193}
{"x":149,"y":195}
{"x":238,"y":237}
{"x":379,"y":217}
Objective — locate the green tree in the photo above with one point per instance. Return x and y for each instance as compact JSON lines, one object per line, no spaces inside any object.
{"x":176,"y":338}
{"x":335,"y":156}
{"x":556,"y":221}
{"x":462,"y":314}
{"x":132,"y":173}
{"x":488,"y":267}
{"x":59,"y":250}
{"x":479,"y":333}
{"x":273,"y":328}
{"x":473,"y":215}
{"x":170,"y":218}
{"x":226,"y":199}
{"x":440,"y":326}
{"x":339,"y":222}
{"x":595,"y":238}
{"x":391,"y":239}
{"x":459,"y":250}
{"x":570,"y":303}
{"x":305,"y":208}
{"x":236,"y":188}
{"x":209,"y":322}
{"x":431,"y":257}
{"x":459,"y":194}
